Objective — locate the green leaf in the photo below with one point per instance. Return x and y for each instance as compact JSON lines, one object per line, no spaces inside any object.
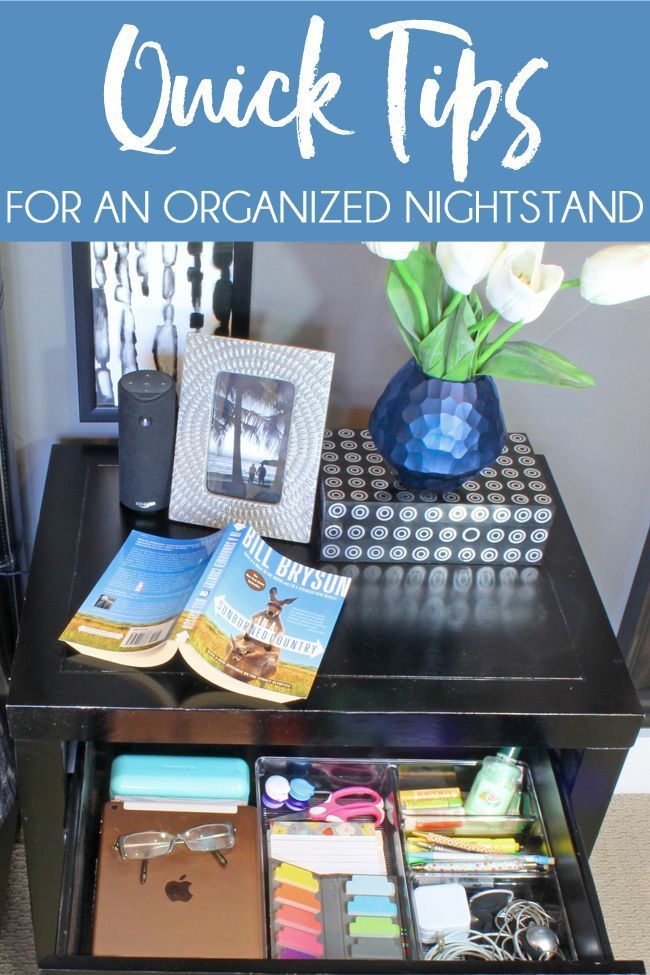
{"x":533,"y":363}
{"x":475,"y":305}
{"x":426,"y":272}
{"x":459,"y":342}
{"x":463,"y":370}
{"x":404,"y":304}
{"x":431,"y":350}
{"x":411,"y":344}
{"x":447,"y":345}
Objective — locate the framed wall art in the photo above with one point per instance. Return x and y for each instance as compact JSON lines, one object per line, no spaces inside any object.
{"x":249,"y":436}
{"x":135,"y":304}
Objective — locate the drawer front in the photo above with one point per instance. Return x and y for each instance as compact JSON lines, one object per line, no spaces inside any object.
{"x":88,"y":788}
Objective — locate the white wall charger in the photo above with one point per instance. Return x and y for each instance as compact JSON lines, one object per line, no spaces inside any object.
{"x":441,"y":909}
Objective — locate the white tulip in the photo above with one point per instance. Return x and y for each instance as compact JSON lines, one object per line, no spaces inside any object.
{"x":617,"y":273}
{"x":465,"y":264}
{"x":396,"y":250}
{"x":519,"y":286}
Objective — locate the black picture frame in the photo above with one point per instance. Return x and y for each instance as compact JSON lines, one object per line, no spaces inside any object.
{"x":234,"y":321}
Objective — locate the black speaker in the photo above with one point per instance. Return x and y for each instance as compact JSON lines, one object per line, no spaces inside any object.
{"x":147,"y":427}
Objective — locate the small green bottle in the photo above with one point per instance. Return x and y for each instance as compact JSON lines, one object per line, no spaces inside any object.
{"x":495,"y":784}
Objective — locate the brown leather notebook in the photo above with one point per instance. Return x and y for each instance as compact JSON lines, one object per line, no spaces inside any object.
{"x":190,"y":906}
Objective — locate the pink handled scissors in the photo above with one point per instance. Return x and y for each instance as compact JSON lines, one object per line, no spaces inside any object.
{"x":335,"y":809}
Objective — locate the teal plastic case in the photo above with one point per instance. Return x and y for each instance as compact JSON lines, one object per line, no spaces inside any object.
{"x":180,"y":777}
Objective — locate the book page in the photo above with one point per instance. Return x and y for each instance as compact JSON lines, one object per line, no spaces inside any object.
{"x":129,"y":615}
{"x":258,"y":622}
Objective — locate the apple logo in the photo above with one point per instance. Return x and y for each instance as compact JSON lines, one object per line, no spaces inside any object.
{"x":179,"y":890}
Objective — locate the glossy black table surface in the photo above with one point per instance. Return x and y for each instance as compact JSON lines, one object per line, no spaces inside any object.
{"x":422,"y":655}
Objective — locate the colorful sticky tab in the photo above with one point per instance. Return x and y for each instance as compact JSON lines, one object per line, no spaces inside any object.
{"x":369,"y":884}
{"x":292,"y":917}
{"x":374,"y":927}
{"x":296,"y":877}
{"x":297,"y":897}
{"x":373,"y":906}
{"x":300,"y":941}
{"x":292,"y":953}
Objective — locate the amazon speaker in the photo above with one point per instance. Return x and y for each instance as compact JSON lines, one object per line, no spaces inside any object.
{"x":147,"y":426}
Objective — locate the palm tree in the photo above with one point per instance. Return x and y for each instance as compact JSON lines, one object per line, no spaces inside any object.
{"x":256,"y":407}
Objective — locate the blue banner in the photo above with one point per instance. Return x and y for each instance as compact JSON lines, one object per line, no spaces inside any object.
{"x":325,"y":121}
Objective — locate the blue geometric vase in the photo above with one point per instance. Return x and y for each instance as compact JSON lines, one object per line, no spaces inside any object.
{"x":434,"y":432}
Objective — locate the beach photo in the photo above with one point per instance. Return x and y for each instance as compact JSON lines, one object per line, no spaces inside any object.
{"x":249,"y":432}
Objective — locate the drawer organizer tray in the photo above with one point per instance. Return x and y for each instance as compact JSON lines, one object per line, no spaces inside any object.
{"x":287,"y":835}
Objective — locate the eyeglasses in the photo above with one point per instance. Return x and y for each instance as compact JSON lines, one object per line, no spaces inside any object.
{"x":209,"y":838}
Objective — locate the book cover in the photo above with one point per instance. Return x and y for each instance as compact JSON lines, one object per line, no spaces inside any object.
{"x":243,"y":616}
{"x":258,"y":621}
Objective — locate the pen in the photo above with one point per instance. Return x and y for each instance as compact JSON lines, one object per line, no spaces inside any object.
{"x":496,"y":865}
{"x":433,"y":855}
{"x":431,"y":840}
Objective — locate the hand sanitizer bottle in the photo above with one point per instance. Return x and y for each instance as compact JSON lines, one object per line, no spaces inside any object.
{"x":495,"y":784}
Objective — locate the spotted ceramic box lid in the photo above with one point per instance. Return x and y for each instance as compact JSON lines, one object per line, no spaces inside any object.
{"x":502,"y":515}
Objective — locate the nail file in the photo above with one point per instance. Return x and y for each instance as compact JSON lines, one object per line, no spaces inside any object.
{"x":334,"y":917}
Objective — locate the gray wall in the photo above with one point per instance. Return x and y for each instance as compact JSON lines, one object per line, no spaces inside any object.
{"x":331,"y":296}
{"x":39,"y":320}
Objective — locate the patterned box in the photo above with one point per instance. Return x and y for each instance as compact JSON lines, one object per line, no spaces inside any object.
{"x":501,"y":516}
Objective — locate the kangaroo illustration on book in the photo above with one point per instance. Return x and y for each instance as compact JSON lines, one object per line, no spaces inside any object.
{"x":249,"y":658}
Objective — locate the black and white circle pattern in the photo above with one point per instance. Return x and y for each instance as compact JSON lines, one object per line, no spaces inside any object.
{"x":370,"y":516}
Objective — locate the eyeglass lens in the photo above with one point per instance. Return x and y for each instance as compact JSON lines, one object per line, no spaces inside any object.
{"x":213,"y":836}
{"x":145,"y":846}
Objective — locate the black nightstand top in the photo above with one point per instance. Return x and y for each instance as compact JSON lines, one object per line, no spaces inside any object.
{"x":422,"y":655}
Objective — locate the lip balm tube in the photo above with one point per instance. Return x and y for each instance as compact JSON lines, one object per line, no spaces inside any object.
{"x":413,"y":795}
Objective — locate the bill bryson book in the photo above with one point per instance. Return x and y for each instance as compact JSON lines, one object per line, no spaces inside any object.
{"x":241,"y":614}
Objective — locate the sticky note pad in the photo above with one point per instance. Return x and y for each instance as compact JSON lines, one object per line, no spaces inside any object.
{"x":374,"y":927}
{"x":296,"y":876}
{"x":369,"y":884}
{"x":297,"y":897}
{"x":292,"y":917}
{"x":372,"y":906}
{"x":300,"y":941}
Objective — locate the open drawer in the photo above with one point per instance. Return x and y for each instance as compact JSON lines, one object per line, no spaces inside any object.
{"x":574,"y":896}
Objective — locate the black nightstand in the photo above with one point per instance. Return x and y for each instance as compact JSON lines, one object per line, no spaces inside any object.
{"x":426,"y":661}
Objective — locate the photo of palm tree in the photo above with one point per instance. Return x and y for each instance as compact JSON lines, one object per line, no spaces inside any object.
{"x":249,"y":432}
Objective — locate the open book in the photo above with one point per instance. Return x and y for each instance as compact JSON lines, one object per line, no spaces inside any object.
{"x":242,"y":615}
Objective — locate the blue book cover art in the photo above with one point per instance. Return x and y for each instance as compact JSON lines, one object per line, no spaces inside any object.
{"x":129,"y":614}
{"x":243,"y":616}
{"x":258,"y":622}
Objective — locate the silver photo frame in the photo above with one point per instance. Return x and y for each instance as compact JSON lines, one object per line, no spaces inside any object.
{"x":249,"y":435}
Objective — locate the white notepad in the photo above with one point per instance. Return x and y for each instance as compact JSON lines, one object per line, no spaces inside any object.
{"x":331,"y":854}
